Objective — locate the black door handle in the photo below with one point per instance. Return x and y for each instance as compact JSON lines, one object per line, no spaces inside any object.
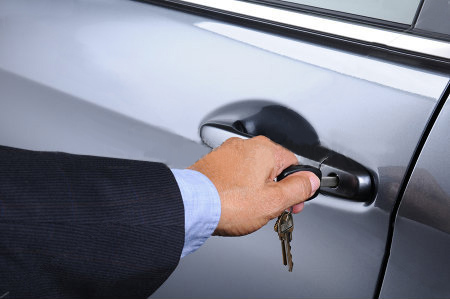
{"x":286,"y":127}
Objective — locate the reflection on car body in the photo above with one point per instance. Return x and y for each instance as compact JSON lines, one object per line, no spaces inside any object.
{"x":130,"y":79}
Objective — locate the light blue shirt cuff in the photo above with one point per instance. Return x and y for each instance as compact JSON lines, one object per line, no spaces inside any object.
{"x":201,"y":207}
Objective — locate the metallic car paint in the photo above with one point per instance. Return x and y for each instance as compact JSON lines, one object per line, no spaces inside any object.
{"x":419,"y":263}
{"x":127,"y":79}
{"x":36,"y":117}
{"x":400,"y":41}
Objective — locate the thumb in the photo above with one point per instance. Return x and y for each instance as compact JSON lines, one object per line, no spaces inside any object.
{"x":298,"y":187}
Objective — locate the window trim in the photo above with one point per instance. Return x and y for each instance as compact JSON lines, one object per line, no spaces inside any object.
{"x":344,"y":16}
{"x":379,"y":37}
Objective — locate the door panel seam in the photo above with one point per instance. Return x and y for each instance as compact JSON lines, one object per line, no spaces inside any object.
{"x":393,"y":217}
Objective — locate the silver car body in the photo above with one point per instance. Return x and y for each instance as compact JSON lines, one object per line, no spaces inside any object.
{"x":126,"y":79}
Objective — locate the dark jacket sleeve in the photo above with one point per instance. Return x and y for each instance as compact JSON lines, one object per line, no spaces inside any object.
{"x":86,"y":227}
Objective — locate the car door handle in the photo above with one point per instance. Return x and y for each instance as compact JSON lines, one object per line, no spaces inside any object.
{"x":284,"y":126}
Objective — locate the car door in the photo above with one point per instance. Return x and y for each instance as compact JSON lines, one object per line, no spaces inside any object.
{"x":419,"y":261}
{"x":128,"y":79}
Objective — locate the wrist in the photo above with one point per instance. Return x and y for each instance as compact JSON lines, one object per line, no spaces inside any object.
{"x":201,"y":205}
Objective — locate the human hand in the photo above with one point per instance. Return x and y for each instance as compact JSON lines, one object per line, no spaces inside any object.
{"x":243,"y":172}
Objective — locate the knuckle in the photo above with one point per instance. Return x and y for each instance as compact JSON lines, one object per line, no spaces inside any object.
{"x":288,"y":154}
{"x":232,"y":141}
{"x":262,"y":138}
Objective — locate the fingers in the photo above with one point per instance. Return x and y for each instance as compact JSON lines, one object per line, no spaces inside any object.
{"x":298,"y":208}
{"x":283,"y":158}
{"x":296,"y":188}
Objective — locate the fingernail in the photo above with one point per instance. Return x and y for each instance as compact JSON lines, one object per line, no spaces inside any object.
{"x":315,"y":183}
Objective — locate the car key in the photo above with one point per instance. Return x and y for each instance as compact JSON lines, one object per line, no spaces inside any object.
{"x":327,"y":181}
{"x":284,"y":227}
{"x":288,"y":240}
{"x":281,"y":237}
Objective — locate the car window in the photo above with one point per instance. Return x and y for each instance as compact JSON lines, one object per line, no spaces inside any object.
{"x":399,"y":11}
{"x":434,"y":17}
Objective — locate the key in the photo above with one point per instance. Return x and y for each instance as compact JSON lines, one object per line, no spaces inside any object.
{"x":326,"y":181}
{"x":286,"y":222}
{"x":286,"y":227}
{"x":288,"y":240}
{"x":281,"y":237}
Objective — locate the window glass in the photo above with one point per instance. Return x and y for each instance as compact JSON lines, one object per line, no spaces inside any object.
{"x":399,"y":11}
{"x":435,"y":16}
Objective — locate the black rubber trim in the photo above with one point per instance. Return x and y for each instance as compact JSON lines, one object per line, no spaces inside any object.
{"x":430,"y":34}
{"x":437,"y":110}
{"x":374,"y":50}
{"x":416,"y":16}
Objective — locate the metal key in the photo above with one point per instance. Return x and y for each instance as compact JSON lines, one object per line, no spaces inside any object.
{"x":288,"y":239}
{"x":284,"y":227}
{"x":280,"y":236}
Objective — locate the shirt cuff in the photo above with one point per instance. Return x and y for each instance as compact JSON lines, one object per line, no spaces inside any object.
{"x":201,"y":207}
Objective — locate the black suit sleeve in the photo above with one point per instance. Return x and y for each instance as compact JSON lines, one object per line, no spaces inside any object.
{"x":86,"y":227}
